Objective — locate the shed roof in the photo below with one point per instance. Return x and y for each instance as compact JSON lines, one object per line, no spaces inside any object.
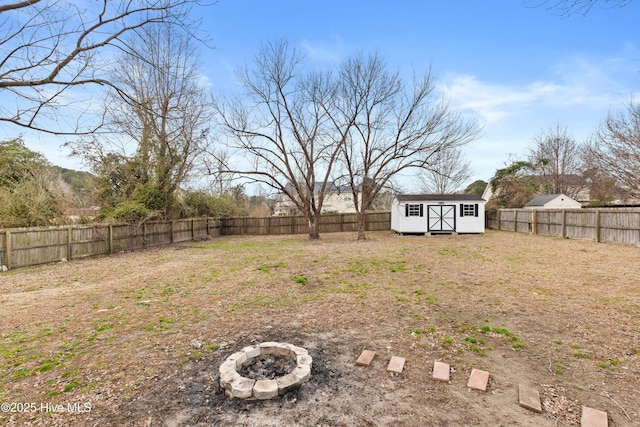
{"x":439,"y":197}
{"x":543,"y":200}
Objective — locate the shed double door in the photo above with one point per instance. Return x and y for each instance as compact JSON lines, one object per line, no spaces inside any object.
{"x":441,"y":217}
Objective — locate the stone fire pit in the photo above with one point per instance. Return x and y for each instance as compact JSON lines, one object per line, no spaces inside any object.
{"x":245,"y":387}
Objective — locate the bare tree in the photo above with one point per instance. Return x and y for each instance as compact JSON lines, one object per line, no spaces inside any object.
{"x":278,"y":133}
{"x":556,"y":156}
{"x":615,"y":148}
{"x":389,"y":126}
{"x":215,"y":167}
{"x":581,"y":7}
{"x":49,"y":48}
{"x":446,"y":172}
{"x":158,"y":119}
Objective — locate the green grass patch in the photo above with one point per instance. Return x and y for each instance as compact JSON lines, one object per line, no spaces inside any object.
{"x":75,"y":383}
{"x":581,"y":355}
{"x":474,"y":340}
{"x":418,"y":332}
{"x":266,"y":268}
{"x":300,"y":280}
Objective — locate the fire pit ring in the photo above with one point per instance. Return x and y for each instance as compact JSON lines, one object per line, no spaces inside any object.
{"x":237,"y":386}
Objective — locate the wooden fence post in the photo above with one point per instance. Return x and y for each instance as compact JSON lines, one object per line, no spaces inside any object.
{"x":69,"y":242}
{"x":7,"y":247}
{"x":564,"y":223}
{"x":110,"y":239}
{"x":597,"y":225}
{"x":534,"y":222}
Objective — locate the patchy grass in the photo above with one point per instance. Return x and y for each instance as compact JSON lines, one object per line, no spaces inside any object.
{"x":127,"y":322}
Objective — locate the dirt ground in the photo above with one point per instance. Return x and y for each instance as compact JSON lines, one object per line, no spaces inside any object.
{"x":136,"y":339}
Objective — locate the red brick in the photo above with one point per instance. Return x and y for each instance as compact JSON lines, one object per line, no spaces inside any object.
{"x":593,"y":418}
{"x":441,"y":372}
{"x":365,"y":358}
{"x":478,"y":379}
{"x":529,"y":398}
{"x":396,"y":364}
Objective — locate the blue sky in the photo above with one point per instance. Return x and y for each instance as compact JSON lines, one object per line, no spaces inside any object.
{"x":517,"y":68}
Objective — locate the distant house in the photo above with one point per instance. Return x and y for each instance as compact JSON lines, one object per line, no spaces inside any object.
{"x":553,"y":201}
{"x":437,"y":213}
{"x":336,"y":200}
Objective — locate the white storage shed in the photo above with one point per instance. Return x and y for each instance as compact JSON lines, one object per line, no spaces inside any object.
{"x":437,"y":213}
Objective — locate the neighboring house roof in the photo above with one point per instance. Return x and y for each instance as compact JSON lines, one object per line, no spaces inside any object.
{"x":438,"y":197}
{"x":543,"y":200}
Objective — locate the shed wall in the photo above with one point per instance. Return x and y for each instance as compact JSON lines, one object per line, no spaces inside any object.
{"x":400,"y":223}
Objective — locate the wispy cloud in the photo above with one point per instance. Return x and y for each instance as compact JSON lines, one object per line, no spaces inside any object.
{"x":332,"y":51}
{"x":572,"y":84}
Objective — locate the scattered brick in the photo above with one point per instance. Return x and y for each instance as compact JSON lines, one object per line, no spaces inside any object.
{"x":441,"y":372}
{"x":396,"y":364}
{"x":365,"y":358}
{"x":478,"y":379}
{"x":593,"y":418}
{"x":529,"y":398}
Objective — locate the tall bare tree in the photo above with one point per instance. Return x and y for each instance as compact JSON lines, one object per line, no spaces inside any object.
{"x":615,"y":148}
{"x":158,"y":118}
{"x":389,"y":126}
{"x":50,"y":48}
{"x":556,"y":156}
{"x":278,"y":133}
{"x":446,"y":172}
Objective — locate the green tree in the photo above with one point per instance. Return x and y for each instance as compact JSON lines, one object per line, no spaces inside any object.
{"x":477,"y":187}
{"x":200,"y":203}
{"x":513,"y":186}
{"x":27,"y":187}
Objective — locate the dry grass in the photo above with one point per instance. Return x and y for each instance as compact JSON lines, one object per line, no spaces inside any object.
{"x":558,"y":314}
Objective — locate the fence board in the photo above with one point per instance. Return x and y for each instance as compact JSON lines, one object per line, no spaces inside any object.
{"x":608,"y":225}
{"x":31,"y":246}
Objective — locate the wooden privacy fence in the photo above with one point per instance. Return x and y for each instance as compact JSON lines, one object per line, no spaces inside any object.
{"x":330,"y":223}
{"x":620,"y":225}
{"x":22,"y":247}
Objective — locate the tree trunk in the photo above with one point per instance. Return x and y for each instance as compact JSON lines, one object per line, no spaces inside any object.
{"x":362,"y":226}
{"x":314,"y":227}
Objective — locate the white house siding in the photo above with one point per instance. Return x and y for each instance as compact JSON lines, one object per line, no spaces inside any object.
{"x":338,"y":203}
